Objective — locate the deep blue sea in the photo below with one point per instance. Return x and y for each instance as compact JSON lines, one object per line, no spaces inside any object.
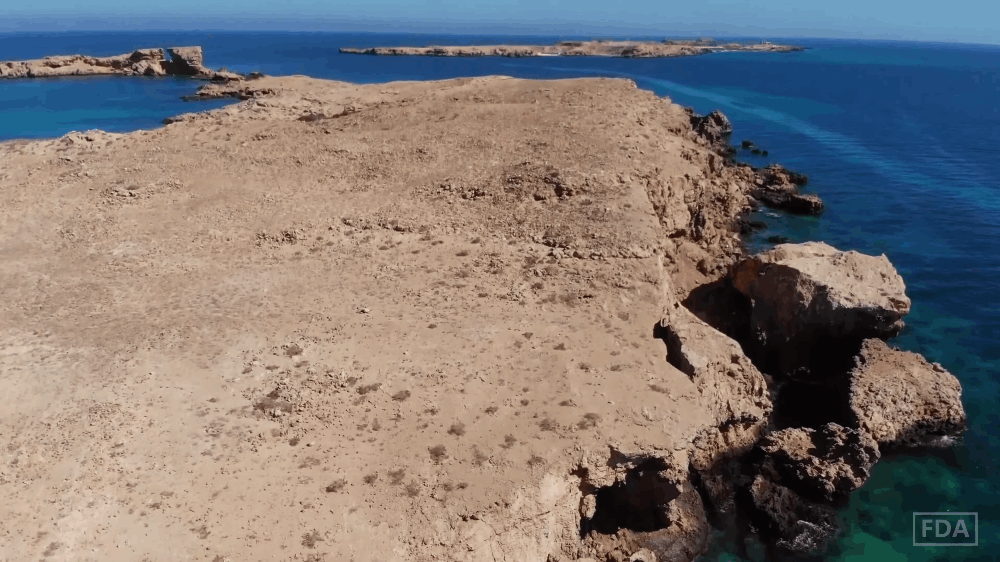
{"x":901,"y":140}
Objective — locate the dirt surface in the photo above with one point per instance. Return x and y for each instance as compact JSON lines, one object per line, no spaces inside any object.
{"x":341,"y":322}
{"x":627,"y":49}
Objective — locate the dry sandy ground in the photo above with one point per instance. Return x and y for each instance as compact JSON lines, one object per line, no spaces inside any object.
{"x":346,"y":322}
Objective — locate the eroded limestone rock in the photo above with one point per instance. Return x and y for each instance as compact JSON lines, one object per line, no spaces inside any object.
{"x":736,"y":391}
{"x":822,"y":465}
{"x":899,"y":398}
{"x":813,"y":304}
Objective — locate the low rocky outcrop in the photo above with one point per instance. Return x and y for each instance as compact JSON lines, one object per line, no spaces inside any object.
{"x":188,"y":61}
{"x":789,"y":521}
{"x":715,"y":128}
{"x":812,"y":305}
{"x":821,"y":465}
{"x":626,"y":49}
{"x":717,"y":365}
{"x":901,"y":399}
{"x":183,"y":61}
{"x":779,"y":188}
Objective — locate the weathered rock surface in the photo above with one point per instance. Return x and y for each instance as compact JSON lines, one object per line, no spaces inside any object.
{"x":788,"y":520}
{"x":813,"y":303}
{"x":821,"y":465}
{"x":778,"y":187}
{"x":188,"y":61}
{"x":184,"y":61}
{"x":899,"y":398}
{"x":734,"y":391}
{"x":715,"y":126}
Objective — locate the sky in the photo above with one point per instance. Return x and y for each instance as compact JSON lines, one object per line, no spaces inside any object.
{"x":961,"y":21}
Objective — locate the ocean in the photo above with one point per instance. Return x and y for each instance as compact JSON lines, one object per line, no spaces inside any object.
{"x":901,"y":141}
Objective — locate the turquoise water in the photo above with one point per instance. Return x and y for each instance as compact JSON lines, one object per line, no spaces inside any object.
{"x":901,"y":140}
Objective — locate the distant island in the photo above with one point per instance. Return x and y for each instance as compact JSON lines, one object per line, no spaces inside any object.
{"x":624,"y":49}
{"x":183,"y":61}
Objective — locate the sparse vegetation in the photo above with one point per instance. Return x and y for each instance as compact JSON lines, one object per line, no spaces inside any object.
{"x":535,"y":460}
{"x":413,"y":489}
{"x":457,"y":429}
{"x":492,"y":410}
{"x":293,"y":350}
{"x":438,"y":453}
{"x":310,"y":539}
{"x":589,"y":420}
{"x":548,"y":424}
{"x":396,"y":476}
{"x":370,"y":478}
{"x":368,"y":388}
{"x":508,"y":441}
{"x":336,"y":486}
{"x":401,"y":395}
{"x":658,"y":388}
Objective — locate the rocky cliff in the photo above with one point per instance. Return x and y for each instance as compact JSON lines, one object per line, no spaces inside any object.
{"x":183,"y":61}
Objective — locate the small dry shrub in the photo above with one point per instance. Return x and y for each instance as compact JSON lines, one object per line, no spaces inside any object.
{"x":536,"y":460}
{"x":401,"y":395}
{"x":310,"y":539}
{"x":413,"y":489}
{"x":658,"y":388}
{"x":589,"y":420}
{"x":508,"y":441}
{"x":492,"y":410}
{"x":336,"y":486}
{"x":438,"y":453}
{"x":365,"y":389}
{"x":548,"y":424}
{"x":293,"y":350}
{"x":457,"y":429}
{"x":396,"y":476}
{"x":370,"y":478}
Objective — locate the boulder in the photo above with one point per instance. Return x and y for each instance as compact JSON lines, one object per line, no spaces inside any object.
{"x":823,"y":465}
{"x":812,"y":305}
{"x":187,"y":61}
{"x":718,"y":367}
{"x":714,"y":127}
{"x":789,"y":521}
{"x":900,"y":399}
{"x":778,"y":187}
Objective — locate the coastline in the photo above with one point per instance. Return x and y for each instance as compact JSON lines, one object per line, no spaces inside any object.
{"x":182,"y":61}
{"x":621,"y":49}
{"x":693,"y":252}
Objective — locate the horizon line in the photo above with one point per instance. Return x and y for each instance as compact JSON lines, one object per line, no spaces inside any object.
{"x":638,"y":34}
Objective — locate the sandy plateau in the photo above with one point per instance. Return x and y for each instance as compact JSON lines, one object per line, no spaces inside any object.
{"x":406,"y":321}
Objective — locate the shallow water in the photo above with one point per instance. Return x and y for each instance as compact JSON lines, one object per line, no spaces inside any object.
{"x":901,"y":140}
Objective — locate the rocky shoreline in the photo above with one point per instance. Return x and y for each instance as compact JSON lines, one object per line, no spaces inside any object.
{"x":183,"y":61}
{"x":623,"y":49}
{"x":444,"y":308}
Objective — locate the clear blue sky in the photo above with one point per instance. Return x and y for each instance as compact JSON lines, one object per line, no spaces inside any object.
{"x":965,"y":21}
